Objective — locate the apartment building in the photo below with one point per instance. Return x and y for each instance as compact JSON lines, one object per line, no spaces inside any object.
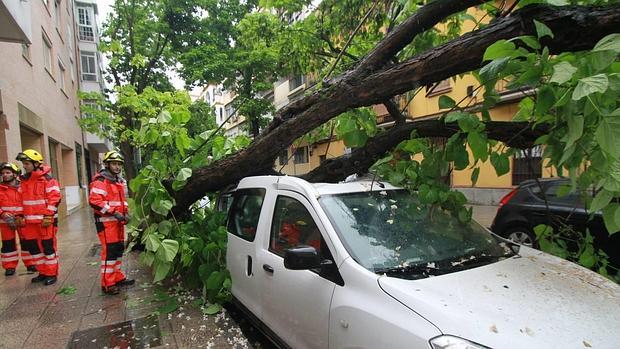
{"x":40,"y":76}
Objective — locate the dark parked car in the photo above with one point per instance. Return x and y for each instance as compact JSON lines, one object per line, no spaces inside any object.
{"x":525,"y":207}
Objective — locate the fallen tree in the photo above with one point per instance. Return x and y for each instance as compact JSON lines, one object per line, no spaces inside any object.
{"x":376,"y":79}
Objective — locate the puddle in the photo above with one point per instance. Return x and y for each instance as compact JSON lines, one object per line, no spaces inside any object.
{"x":138,"y":333}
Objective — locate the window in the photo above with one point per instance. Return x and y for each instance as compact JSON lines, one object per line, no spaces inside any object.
{"x":26,"y":52}
{"x":221,"y":115}
{"x":53,"y":145}
{"x":85,"y":24}
{"x":47,"y":53}
{"x":292,"y":226}
{"x":438,"y":88}
{"x":230,"y":110}
{"x":296,"y":81}
{"x":283,"y":157}
{"x":89,"y":66}
{"x":527,"y":164}
{"x":301,"y":155}
{"x":245,"y":212}
{"x":61,"y":74}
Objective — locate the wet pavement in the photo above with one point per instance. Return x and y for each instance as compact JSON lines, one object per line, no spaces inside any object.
{"x":74,"y":313}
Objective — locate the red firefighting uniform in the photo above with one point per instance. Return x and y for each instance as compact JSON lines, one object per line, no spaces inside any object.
{"x":40,"y":198}
{"x":11,"y":202}
{"x":107,"y":196}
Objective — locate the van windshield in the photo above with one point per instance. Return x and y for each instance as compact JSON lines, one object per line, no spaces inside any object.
{"x":391,"y":232}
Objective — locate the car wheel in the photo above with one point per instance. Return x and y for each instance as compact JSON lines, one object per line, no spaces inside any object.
{"x":522,"y":236}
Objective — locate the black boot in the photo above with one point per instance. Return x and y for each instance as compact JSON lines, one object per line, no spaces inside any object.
{"x":49,"y":280}
{"x":112,"y":290}
{"x":9,"y":272}
{"x":126,"y":282}
{"x":31,"y":269}
{"x":38,"y":278}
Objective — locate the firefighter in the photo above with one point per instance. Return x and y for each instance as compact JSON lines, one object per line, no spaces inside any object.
{"x":11,"y":217}
{"x":107,"y":198}
{"x":40,"y":200}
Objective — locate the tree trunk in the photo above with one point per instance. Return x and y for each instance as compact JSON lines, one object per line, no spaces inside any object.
{"x":576,"y":28}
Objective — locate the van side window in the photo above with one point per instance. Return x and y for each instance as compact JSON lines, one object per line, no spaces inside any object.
{"x":245,"y":212}
{"x":292,"y":226}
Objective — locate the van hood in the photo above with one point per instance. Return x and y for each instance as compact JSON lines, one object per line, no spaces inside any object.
{"x":532,"y":300}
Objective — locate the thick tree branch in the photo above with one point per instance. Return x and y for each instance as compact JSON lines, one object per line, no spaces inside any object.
{"x":514,"y":134}
{"x":575,"y":28}
{"x":394,"y":111}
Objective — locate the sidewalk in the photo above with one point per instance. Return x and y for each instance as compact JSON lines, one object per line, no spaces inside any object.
{"x":74,"y":313}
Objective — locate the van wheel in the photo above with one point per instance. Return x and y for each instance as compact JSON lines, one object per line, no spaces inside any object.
{"x":522,"y":235}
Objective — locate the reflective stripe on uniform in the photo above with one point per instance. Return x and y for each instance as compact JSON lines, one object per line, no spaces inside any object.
{"x":106,"y":219}
{"x":34,"y":202}
{"x":9,"y":259}
{"x":12,"y":208}
{"x":115,"y":203}
{"x":110,"y":262}
{"x":99,"y":191}
{"x":107,"y":270}
{"x":105,"y":208}
{"x":9,"y":254}
{"x":51,"y":189}
{"x":33,"y":217}
{"x":52,"y":208}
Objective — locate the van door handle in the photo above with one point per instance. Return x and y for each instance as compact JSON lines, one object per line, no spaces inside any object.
{"x":268,"y":268}
{"x":249,"y":267}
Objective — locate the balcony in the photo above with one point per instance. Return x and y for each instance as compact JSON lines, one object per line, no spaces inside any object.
{"x":100,"y":145}
{"x":15,"y":21}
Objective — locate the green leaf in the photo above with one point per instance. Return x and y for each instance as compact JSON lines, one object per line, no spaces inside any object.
{"x":530,"y":41}
{"x":169,"y":307}
{"x":587,"y":258}
{"x":67,"y":291}
{"x":575,"y":128}
{"x":215,"y":280}
{"x":152,"y":242}
{"x":169,"y":249}
{"x":602,"y":199}
{"x":355,"y":139}
{"x":446,"y":102}
{"x":490,"y":71}
{"x":455,"y":116}
{"x":469,"y":123}
{"x":542,"y":30}
{"x":609,"y":43}
{"x":161,"y":206}
{"x":611,"y":216}
{"x":184,"y":174}
{"x":474,"y":176}
{"x":590,"y":85}
{"x":500,"y":49}
{"x":212,"y":309}
{"x":526,"y":109}
{"x":478,"y":144}
{"x":161,"y":270}
{"x":501,"y":163}
{"x":164,"y":117}
{"x":562,"y":72}
{"x":544,"y":100}
{"x":608,"y":134}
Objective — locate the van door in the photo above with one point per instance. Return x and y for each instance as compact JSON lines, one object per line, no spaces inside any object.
{"x":295,"y":303}
{"x":243,"y":222}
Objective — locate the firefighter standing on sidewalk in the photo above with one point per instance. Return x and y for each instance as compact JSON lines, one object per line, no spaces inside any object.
{"x":11,"y":218}
{"x":107,"y":198}
{"x":40,"y":200}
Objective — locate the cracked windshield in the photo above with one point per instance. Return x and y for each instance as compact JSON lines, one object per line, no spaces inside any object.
{"x":391,"y":232}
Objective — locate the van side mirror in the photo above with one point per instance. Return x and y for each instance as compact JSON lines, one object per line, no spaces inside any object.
{"x":301,"y":258}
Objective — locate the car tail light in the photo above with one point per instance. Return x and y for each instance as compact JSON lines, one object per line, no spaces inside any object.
{"x":508,"y":196}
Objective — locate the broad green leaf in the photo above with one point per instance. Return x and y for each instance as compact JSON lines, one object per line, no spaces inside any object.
{"x":490,"y":71}
{"x":152,"y":242}
{"x":587,"y":258}
{"x":212,"y":309}
{"x":501,"y":163}
{"x":500,"y":49}
{"x":162,"y":206}
{"x":355,"y":139}
{"x":530,"y":41}
{"x":526,"y":109}
{"x":215,"y":280}
{"x":575,"y":128}
{"x":611,"y":216}
{"x":474,"y":176}
{"x":609,"y":43}
{"x":455,"y":116}
{"x":446,"y":102}
{"x":161,"y":271}
{"x":169,"y":306}
{"x":602,"y":199}
{"x":542,"y":30}
{"x":184,"y":174}
{"x":590,"y":85}
{"x":562,"y":72}
{"x":147,"y":258}
{"x":469,"y":123}
{"x":478,"y":144}
{"x":608,"y":134}
{"x":544,"y":100}
{"x":164,"y":227}
{"x":601,"y":60}
{"x":169,"y":249}
{"x":164,"y":117}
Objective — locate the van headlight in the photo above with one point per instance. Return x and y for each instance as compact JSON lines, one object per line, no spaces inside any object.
{"x":452,"y":342}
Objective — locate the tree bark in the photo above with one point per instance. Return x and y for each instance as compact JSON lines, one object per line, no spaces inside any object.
{"x":576,"y":28}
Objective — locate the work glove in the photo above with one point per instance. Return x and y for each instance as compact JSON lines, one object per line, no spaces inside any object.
{"x":21,"y":222}
{"x":10,"y":220}
{"x":47,"y":221}
{"x":120,"y":217}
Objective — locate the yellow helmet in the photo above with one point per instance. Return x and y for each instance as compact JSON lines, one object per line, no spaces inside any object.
{"x":30,"y":155}
{"x":11,"y":167}
{"x":113,"y":156}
